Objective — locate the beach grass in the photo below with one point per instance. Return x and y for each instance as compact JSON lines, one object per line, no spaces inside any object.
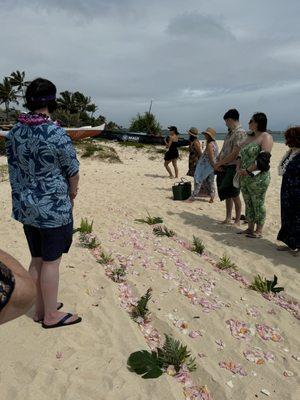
{"x":198,"y":245}
{"x":102,"y":152}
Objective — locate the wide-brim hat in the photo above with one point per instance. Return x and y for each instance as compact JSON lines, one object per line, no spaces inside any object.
{"x":193,"y":131}
{"x":210,"y":132}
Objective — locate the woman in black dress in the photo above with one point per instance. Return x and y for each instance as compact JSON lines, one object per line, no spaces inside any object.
{"x":172,"y":152}
{"x":289,"y":168}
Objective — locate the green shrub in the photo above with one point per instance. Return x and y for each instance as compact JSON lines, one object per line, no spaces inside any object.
{"x":163,"y":231}
{"x":198,"y":246}
{"x":226,"y":263}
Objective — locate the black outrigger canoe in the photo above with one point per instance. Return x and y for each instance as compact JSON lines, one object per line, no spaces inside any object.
{"x":136,"y":137}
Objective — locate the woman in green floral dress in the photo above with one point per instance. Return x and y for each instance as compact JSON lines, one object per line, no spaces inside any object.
{"x":253,"y":169}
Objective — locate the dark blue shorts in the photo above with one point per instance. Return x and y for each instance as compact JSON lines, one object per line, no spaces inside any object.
{"x":49,"y":243}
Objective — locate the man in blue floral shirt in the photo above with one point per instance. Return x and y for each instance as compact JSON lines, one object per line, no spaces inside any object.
{"x":44,"y":176}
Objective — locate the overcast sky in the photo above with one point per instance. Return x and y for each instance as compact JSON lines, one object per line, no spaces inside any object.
{"x":194,"y":58}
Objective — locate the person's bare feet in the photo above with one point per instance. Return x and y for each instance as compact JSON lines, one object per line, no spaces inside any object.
{"x":237,"y":223}
{"x":39,"y":316}
{"x":225,"y":222}
{"x":55,"y":317}
{"x":189,"y":200}
{"x":245,"y":232}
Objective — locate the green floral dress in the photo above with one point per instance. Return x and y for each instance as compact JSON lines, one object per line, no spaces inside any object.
{"x":254,"y":188}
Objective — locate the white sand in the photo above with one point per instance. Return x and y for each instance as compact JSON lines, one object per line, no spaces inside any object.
{"x":95,"y":352}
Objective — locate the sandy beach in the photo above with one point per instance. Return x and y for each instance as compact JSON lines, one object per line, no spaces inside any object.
{"x":89,"y":361}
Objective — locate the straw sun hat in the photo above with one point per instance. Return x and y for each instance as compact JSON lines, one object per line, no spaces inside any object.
{"x":210,"y":132}
{"x":193,"y":131}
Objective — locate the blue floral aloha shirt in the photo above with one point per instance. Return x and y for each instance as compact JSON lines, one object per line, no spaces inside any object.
{"x":41,"y":158}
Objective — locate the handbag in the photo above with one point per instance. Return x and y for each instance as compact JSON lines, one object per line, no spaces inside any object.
{"x":182,"y":190}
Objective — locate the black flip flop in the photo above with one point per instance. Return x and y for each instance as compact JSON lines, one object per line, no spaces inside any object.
{"x":62,"y":322}
{"x":60,"y":305}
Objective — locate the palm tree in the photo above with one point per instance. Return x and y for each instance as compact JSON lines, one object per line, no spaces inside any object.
{"x":82,"y":101}
{"x":17,"y":79}
{"x":7,"y":95}
{"x":92,"y":108}
{"x":66,"y":102}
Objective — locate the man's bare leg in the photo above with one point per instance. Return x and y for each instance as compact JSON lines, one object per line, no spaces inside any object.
{"x":238,"y":210}
{"x":229,"y":206}
{"x":49,"y":287}
{"x":35,"y":269}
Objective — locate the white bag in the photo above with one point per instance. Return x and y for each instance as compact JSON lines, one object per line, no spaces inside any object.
{"x":236,"y":181}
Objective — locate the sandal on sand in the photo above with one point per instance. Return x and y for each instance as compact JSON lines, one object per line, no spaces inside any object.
{"x":39,"y":321}
{"x":246,"y":232}
{"x":62,"y":322}
{"x":282,"y":248}
{"x":254,"y":235}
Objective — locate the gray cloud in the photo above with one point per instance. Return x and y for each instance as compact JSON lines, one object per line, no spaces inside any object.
{"x":195,"y":60}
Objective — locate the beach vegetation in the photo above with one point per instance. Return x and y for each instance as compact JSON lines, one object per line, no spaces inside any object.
{"x":141,"y":309}
{"x":89,"y":150}
{"x":226,"y":263}
{"x":146,"y":364}
{"x":163,"y":231}
{"x":105,"y":258}
{"x":137,"y":145}
{"x":89,"y":240}
{"x":85,"y":226}
{"x":174,"y":353}
{"x":8,"y":95}
{"x":118,"y":274}
{"x":101,"y":152}
{"x":152,"y":364}
{"x":146,"y":123}
{"x":198,"y":246}
{"x":150,"y":220}
{"x":262,"y":285}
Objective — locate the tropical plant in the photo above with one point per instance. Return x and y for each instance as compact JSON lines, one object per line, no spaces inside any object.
{"x":118,"y":274}
{"x":263,"y":285}
{"x":163,"y":231}
{"x":145,"y":123}
{"x":226,"y":263}
{"x":85,"y":226}
{"x":17,"y":79}
{"x":198,"y":246}
{"x":150,"y":220}
{"x":105,"y":258}
{"x":141,"y":310}
{"x":88,"y":240}
{"x":145,"y":364}
{"x":174,"y":353}
{"x":7,"y":95}
{"x":152,"y":364}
